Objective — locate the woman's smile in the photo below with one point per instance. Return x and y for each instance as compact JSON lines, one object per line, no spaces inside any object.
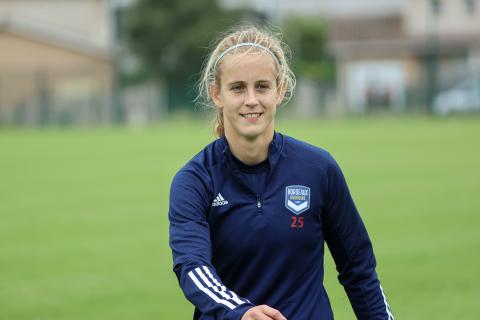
{"x":251,"y":117}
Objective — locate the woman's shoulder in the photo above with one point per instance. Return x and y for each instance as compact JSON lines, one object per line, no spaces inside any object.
{"x":199,"y":166}
{"x":304,"y":151}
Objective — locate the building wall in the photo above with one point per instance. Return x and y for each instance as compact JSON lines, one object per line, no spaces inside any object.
{"x":23,"y":53}
{"x":55,"y":61}
{"x":35,"y":76}
{"x":453,"y":18}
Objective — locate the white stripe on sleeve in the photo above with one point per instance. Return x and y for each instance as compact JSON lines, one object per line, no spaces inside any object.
{"x":387,"y":306}
{"x":219,"y":289}
{"x":210,"y":293}
{"x":223,"y":288}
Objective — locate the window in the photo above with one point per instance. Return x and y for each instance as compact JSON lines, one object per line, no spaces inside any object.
{"x":436,"y":6}
{"x":471,"y":6}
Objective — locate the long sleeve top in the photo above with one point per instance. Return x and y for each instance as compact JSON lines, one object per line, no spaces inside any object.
{"x":238,"y":241}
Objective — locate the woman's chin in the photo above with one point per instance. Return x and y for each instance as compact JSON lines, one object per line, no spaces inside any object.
{"x":253,"y":132}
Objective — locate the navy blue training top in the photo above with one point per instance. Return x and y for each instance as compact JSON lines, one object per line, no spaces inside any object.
{"x":238,"y":242}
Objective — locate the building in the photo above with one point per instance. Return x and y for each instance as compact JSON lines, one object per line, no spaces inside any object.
{"x":404,"y":58}
{"x":55,"y":61}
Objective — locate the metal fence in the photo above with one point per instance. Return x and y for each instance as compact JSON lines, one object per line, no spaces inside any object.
{"x":74,"y":97}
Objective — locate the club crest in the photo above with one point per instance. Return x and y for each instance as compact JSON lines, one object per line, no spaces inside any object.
{"x":297,"y":199}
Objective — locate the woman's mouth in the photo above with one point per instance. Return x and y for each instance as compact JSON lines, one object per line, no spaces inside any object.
{"x":251,"y":115}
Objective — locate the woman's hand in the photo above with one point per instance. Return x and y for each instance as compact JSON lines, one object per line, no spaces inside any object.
{"x":263,"y":312}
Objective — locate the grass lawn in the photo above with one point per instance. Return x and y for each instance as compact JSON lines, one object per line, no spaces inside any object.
{"x":84,"y":231}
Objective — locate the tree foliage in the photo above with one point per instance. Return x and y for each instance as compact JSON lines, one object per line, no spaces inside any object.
{"x":307,"y":38}
{"x":172,"y":37}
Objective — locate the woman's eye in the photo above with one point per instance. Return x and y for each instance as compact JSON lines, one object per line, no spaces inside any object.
{"x":236,"y":87}
{"x":263,"y":86}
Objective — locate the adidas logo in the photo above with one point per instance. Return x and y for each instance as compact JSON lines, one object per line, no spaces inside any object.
{"x":219,"y":201}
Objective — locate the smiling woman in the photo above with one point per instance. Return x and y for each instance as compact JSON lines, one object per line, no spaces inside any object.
{"x":250,"y":213}
{"x":239,"y":42}
{"x":247,"y":96}
{"x":246,"y":77}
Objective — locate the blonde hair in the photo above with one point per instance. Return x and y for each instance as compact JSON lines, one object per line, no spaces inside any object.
{"x":247,"y":38}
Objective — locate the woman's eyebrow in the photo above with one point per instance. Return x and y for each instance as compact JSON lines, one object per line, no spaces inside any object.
{"x":235,"y":82}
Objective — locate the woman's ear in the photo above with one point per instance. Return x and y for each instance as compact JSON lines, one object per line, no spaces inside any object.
{"x":215,"y":94}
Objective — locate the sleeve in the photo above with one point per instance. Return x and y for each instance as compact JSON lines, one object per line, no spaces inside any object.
{"x":191,"y":249}
{"x":352,"y":251}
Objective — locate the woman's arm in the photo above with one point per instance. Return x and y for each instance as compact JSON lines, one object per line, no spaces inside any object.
{"x":191,"y":248}
{"x":349,"y":243}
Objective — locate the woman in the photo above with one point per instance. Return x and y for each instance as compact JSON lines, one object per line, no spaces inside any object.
{"x":250,"y":213}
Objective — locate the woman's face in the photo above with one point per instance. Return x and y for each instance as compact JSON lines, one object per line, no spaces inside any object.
{"x":248,"y":95}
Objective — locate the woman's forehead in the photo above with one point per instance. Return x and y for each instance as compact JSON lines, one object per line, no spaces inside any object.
{"x":248,"y":64}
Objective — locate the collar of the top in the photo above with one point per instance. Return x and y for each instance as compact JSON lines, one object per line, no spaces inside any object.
{"x":274,"y":150}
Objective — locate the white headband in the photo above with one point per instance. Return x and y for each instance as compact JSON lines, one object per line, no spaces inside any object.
{"x":244,"y":44}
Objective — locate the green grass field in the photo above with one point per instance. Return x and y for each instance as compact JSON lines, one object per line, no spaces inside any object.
{"x":84,"y":232}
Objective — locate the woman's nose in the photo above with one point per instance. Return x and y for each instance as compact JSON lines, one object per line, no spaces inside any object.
{"x":251,"y":98}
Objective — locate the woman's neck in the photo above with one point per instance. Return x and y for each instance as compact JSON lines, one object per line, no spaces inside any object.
{"x":252,"y":151}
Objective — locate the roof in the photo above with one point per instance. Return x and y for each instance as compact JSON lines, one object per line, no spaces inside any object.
{"x":386,"y":36}
{"x":54,"y":36}
{"x":323,"y":8}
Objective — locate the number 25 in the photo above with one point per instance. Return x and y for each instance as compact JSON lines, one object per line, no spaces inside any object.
{"x":297,"y":222}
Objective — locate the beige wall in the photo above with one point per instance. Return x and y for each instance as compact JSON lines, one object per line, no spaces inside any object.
{"x":22,"y":53}
{"x":28,"y":66}
{"x":55,"y":54}
{"x":453,"y":19}
{"x":88,"y":19}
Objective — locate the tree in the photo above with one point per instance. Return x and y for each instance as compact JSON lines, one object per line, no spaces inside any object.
{"x":308,"y":39}
{"x":172,"y":37}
